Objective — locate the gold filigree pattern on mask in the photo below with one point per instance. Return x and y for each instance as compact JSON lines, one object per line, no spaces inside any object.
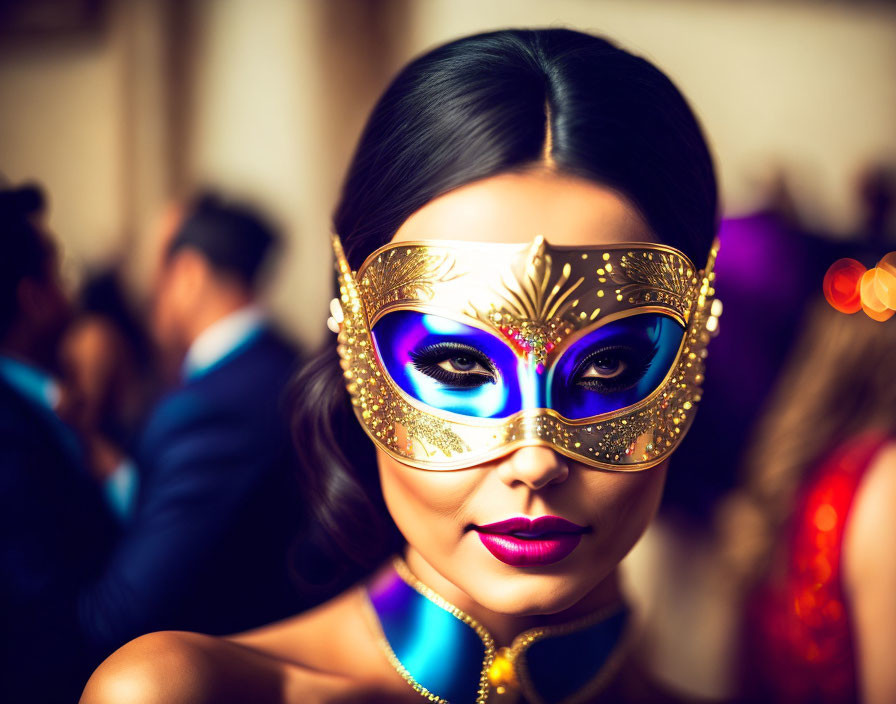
{"x":398,"y":275}
{"x":648,"y":277}
{"x":538,"y":298}
{"x":531,"y":305}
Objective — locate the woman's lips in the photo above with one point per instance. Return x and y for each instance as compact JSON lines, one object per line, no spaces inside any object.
{"x":521,"y":542}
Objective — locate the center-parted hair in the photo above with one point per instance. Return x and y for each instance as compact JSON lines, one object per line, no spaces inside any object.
{"x":470,"y":109}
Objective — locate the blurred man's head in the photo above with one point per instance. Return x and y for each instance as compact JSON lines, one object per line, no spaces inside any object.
{"x":211,"y":265}
{"x":33,"y":307}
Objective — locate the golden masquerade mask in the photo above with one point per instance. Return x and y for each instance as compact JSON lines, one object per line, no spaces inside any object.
{"x":455,"y":353}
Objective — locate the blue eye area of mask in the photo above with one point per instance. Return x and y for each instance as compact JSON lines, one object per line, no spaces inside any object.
{"x":614,"y":366}
{"x":461,"y":369}
{"x":448,"y":365}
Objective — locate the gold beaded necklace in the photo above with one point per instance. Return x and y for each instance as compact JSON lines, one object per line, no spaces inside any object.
{"x":505,"y":674}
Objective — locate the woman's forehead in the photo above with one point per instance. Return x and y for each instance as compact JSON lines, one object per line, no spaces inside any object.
{"x":514,"y":207}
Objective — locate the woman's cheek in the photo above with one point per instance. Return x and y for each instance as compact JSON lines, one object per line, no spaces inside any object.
{"x":425,"y":505}
{"x":626,"y":502}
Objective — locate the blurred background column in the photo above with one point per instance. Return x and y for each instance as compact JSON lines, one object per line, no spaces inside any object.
{"x":150,"y":84}
{"x":281,"y":89}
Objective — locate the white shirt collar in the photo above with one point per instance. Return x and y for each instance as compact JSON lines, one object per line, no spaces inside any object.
{"x":221,"y":338}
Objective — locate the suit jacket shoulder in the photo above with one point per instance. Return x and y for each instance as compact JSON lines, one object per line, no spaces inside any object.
{"x":206,"y":547}
{"x":55,"y":533}
{"x":246,"y":388}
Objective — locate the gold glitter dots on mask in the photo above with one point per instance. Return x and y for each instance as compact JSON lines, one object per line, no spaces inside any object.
{"x":537,"y":298}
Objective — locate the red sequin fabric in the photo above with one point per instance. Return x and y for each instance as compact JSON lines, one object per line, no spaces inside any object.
{"x":799,"y":640}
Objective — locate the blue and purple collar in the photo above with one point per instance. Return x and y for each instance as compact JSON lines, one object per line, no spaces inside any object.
{"x":448,"y":657}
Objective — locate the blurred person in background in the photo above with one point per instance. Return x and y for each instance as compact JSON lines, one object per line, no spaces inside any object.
{"x":205,"y":509}
{"x":55,"y":527}
{"x":108,"y":358}
{"x":809,"y":539}
{"x":213,"y":505}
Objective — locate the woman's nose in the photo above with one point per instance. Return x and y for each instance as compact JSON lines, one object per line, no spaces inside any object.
{"x":536,"y":467}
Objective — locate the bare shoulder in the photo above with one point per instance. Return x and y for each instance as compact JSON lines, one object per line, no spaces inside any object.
{"x":337,"y":639}
{"x":300,"y":659}
{"x":868,"y":550}
{"x":167,"y":666}
{"x":870,"y":577}
{"x":316,"y":638}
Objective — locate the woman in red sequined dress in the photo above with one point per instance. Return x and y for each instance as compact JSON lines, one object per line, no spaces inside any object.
{"x":820,"y":623}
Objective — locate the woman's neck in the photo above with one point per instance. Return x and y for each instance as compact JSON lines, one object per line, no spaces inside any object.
{"x":504,"y":627}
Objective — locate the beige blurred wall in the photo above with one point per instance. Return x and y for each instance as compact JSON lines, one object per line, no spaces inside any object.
{"x":807,"y":87}
{"x":254,"y":133}
{"x":279,"y":99}
{"x":265,"y":99}
{"x":60,"y":122}
{"x":88,"y":116}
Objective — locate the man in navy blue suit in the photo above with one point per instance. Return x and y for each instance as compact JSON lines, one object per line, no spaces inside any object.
{"x":204,"y":546}
{"x":202,"y":542}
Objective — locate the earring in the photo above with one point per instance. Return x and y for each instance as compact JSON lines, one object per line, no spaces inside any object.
{"x":334,"y":322}
{"x":712,"y":322}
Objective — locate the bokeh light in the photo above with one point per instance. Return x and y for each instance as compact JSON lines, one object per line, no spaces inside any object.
{"x":880,"y":316}
{"x":885,"y":280}
{"x":870,"y":301}
{"x":841,"y":285}
{"x":849,"y":287}
{"x":888,"y":263}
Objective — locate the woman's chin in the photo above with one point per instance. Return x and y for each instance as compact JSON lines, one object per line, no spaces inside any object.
{"x":531,"y":600}
{"x":529,"y":591}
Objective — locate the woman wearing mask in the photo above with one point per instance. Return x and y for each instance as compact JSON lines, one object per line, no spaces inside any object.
{"x":524,"y":246}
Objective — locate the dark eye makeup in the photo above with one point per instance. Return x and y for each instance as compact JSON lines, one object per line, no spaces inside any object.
{"x":609,"y":369}
{"x":461,"y":369}
{"x":455,"y":364}
{"x":613,"y":368}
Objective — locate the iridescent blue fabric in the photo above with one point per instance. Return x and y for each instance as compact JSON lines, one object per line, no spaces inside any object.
{"x":561,"y":665}
{"x":439,"y":651}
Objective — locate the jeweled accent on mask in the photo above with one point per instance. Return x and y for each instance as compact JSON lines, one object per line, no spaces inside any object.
{"x":454,"y":353}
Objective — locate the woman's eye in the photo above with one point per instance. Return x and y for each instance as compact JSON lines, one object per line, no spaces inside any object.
{"x":464,"y":364}
{"x":604,"y":368}
{"x":613,"y":369}
{"x":455,"y":365}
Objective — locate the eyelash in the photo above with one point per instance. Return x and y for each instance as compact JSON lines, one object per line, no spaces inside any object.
{"x":427,"y":361}
{"x":637,"y":364}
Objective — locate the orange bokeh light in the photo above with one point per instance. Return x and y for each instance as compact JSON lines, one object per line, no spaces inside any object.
{"x":825,"y":517}
{"x":885,"y":280}
{"x":870,"y":301}
{"x":888,"y":263}
{"x":841,"y":285}
{"x":849,"y":287}
{"x":879,"y":316}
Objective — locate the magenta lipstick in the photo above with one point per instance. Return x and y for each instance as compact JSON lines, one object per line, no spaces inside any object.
{"x":524,"y":542}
